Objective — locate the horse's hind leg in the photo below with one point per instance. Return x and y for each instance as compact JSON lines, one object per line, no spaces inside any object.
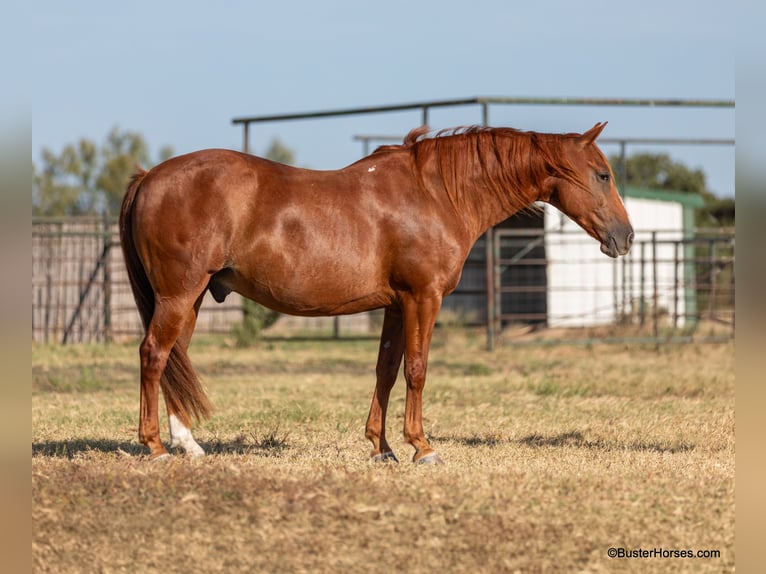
{"x":389,"y":360}
{"x":167,"y":324}
{"x":180,"y":435}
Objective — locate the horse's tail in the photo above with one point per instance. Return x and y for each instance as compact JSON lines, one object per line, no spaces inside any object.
{"x":139,"y":282}
{"x":180,"y":385}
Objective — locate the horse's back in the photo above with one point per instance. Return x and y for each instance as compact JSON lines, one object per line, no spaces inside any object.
{"x":209,"y":175}
{"x":207,"y":193}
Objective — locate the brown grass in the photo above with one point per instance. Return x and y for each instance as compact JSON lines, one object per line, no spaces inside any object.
{"x":552,"y":457}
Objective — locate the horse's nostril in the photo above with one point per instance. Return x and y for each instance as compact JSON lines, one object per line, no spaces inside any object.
{"x":630,"y":238}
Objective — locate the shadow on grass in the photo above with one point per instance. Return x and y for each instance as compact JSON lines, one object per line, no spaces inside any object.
{"x":572,"y":439}
{"x":576,"y":439}
{"x":272,"y":445}
{"x":267,"y":446}
{"x":71,"y":448}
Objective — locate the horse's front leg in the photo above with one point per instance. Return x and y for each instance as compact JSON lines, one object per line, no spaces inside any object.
{"x":419,"y":319}
{"x":389,"y":360}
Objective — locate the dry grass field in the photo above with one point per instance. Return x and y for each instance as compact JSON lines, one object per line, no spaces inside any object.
{"x":553,"y":456}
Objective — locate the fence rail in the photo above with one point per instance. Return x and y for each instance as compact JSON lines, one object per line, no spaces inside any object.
{"x":668,"y":285}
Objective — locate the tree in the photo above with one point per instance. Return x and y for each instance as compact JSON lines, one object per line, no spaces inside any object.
{"x":122,"y":154}
{"x":279,"y":152}
{"x":659,"y":171}
{"x":87,"y":180}
{"x":59,"y":188}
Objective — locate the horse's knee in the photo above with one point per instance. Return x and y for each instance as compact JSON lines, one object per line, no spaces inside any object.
{"x":148,"y":350}
{"x":415,"y":373}
{"x":152,"y":354}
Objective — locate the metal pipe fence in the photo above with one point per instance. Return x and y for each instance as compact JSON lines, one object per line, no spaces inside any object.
{"x":669,"y":288}
{"x":80,"y":288}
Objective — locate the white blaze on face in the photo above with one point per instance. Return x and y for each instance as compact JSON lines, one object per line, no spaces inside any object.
{"x":180,"y":436}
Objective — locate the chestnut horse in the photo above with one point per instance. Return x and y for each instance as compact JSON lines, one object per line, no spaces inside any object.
{"x":390,"y":231}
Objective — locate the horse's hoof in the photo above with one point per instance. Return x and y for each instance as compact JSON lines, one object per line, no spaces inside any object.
{"x":194,"y":451}
{"x":385,"y":457}
{"x":430,"y":459}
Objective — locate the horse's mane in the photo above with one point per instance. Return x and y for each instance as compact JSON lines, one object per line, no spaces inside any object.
{"x":506,"y":161}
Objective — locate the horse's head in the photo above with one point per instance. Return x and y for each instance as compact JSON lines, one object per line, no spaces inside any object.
{"x":586,"y":192}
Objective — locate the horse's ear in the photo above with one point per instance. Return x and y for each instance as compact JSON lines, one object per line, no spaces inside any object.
{"x":590,"y":136}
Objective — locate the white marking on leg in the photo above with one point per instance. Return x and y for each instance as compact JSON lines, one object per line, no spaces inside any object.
{"x":180,"y":436}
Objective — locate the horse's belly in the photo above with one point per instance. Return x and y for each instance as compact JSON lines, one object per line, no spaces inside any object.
{"x":314,"y":293}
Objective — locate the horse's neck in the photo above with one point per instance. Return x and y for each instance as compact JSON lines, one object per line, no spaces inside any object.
{"x":483,"y":198}
{"x":488,"y":208}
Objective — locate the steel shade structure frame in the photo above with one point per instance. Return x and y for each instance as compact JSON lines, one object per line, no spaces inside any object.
{"x":484,"y":102}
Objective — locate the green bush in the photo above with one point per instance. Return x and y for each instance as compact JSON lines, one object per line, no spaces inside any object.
{"x":255,"y":318}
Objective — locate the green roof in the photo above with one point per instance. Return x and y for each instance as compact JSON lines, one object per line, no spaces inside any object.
{"x":685,"y":198}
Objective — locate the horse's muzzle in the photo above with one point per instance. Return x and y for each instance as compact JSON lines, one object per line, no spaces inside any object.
{"x":618,"y":242}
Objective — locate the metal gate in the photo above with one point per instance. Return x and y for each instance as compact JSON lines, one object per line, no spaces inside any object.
{"x":667,"y":289}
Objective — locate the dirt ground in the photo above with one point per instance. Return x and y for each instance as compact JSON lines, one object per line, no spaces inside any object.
{"x":555,"y":458}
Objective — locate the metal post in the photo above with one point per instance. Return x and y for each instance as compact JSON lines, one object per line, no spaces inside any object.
{"x":107,"y":282}
{"x":425,"y":116}
{"x":712,"y":291}
{"x":655,"y":294}
{"x":623,"y":181}
{"x":484,"y":114}
{"x":490,"y":268}
{"x":733,"y":298}
{"x":627,"y":285}
{"x":642,"y":280}
{"x":49,"y":287}
{"x":497,"y":287}
{"x":246,"y":137}
{"x":676,"y":262}
{"x":615,"y":290}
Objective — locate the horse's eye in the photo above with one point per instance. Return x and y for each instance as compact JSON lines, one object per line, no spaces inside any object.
{"x":603,"y":176}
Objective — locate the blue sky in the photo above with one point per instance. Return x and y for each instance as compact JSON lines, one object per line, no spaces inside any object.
{"x":178,"y":72}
